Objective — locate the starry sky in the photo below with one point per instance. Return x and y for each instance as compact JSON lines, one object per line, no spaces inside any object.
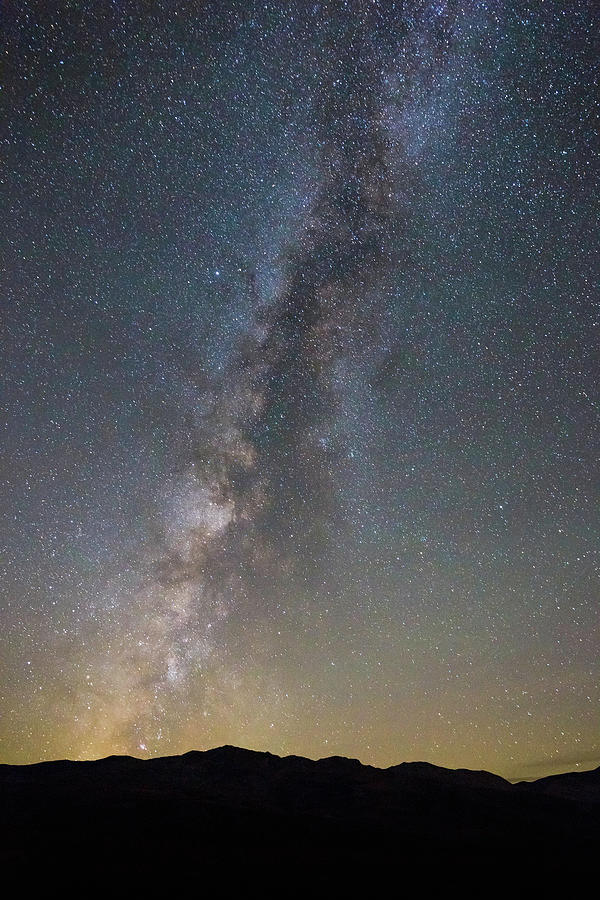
{"x":299,"y":399}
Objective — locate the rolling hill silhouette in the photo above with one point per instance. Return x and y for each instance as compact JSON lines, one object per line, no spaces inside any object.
{"x":231,"y":807}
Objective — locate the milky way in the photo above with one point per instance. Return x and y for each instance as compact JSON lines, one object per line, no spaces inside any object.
{"x":301,"y":413}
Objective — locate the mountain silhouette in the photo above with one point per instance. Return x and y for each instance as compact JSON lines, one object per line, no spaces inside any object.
{"x":230,"y":807}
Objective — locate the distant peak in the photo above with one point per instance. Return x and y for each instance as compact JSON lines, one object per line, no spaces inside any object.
{"x":231,"y":750}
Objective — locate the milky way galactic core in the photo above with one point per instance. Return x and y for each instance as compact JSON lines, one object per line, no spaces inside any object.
{"x":300,"y":398}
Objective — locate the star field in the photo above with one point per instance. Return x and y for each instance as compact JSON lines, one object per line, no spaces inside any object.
{"x":300,"y":409}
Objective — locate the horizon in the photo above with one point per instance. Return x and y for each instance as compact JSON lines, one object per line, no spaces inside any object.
{"x":544,"y":768}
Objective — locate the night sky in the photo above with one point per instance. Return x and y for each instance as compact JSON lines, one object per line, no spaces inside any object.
{"x":300,"y":409}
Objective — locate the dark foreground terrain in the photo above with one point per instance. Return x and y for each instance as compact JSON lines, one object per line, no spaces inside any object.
{"x":228,"y":810}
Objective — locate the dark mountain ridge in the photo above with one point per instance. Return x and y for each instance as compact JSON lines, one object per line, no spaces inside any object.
{"x":232,"y":804}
